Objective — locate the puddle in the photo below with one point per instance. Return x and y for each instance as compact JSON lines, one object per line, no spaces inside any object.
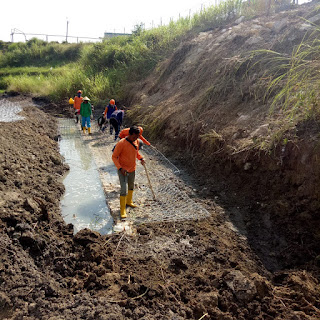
{"x":9,"y":111}
{"x":84,"y":202}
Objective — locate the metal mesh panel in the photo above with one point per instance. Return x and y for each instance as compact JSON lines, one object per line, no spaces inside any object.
{"x":170,"y":204}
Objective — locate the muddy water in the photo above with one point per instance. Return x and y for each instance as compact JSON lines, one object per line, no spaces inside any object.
{"x":84,"y":203}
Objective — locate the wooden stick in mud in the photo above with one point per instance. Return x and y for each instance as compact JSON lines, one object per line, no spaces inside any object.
{"x":145,"y":167}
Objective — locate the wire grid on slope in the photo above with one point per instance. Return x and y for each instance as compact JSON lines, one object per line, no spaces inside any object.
{"x":170,"y":203}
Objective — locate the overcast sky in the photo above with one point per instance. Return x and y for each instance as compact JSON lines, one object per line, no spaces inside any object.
{"x":88,"y":18}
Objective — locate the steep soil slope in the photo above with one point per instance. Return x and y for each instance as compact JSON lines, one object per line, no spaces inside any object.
{"x":206,"y":106}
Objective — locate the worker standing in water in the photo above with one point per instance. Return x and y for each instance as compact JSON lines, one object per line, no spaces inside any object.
{"x":85,"y":112}
{"x":124,"y":157}
{"x":77,"y":104}
{"x":110,"y":108}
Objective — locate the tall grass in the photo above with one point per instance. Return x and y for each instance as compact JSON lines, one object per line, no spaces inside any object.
{"x":104,"y":69}
{"x":36,"y":52}
{"x":293,"y":80}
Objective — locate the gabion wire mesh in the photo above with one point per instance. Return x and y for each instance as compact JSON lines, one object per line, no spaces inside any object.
{"x":171,"y":203}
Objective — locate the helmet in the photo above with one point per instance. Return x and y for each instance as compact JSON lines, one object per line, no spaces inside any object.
{"x":79,"y":91}
{"x":112,"y":102}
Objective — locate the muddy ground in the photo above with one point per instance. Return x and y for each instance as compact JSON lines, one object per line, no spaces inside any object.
{"x":196,"y":269}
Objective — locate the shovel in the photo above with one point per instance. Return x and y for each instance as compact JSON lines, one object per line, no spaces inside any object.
{"x":145,"y":168}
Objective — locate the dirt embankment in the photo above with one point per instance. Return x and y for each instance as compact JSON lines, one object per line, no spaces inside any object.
{"x":183,"y":270}
{"x":205,"y":105}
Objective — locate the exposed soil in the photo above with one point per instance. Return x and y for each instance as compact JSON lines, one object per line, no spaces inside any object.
{"x":256,"y":256}
{"x":171,"y":270}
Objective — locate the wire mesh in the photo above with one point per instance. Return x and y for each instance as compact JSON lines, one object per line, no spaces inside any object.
{"x":171,"y":203}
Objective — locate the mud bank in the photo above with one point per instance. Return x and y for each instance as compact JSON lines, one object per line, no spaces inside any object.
{"x":175,"y":270}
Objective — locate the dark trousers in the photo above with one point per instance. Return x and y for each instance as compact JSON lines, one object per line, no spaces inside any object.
{"x":115,"y":124}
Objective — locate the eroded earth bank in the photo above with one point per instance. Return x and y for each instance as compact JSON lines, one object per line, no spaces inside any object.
{"x":202,"y":268}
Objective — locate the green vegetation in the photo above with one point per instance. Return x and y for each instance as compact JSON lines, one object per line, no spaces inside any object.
{"x":104,"y":69}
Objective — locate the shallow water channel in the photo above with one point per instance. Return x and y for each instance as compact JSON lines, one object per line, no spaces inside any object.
{"x":84,"y":202}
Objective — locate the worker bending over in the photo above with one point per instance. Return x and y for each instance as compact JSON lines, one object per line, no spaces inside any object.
{"x":125,"y":132}
{"x":116,"y":119}
{"x":124,"y":157}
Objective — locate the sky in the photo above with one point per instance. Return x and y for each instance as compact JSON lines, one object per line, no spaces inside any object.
{"x":89,"y":18}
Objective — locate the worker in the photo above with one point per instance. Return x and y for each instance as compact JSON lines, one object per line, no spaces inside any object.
{"x":77,"y":104}
{"x":110,"y":108}
{"x":125,"y":132}
{"x":116,"y":119}
{"x":85,"y":112}
{"x":124,"y":157}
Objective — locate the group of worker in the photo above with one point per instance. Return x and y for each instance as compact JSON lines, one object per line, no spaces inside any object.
{"x":111,"y":115}
{"x":126,"y":150}
{"x":82,"y":107}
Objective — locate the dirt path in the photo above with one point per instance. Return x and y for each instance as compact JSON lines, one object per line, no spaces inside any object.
{"x":178,"y":269}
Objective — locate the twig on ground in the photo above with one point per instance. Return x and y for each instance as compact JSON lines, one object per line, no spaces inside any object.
{"x":118,"y":245}
{"x":135,"y":298}
{"x":206,"y":314}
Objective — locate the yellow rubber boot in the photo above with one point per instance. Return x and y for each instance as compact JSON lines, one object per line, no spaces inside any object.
{"x":84,"y":129}
{"x":89,"y":130}
{"x":123,"y":212}
{"x":129,"y":199}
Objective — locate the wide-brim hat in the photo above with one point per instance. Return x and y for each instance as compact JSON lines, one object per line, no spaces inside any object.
{"x":86,"y":99}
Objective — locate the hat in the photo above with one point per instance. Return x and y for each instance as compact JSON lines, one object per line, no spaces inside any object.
{"x":143,"y":139}
{"x":86,"y":99}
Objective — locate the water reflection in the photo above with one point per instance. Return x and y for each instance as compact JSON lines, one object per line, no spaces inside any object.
{"x":83,"y":203}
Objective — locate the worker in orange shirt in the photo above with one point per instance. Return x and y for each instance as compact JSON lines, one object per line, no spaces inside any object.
{"x":124,"y":157}
{"x":77,"y":104}
{"x":110,"y":108}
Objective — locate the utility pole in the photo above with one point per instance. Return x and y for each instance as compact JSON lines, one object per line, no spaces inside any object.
{"x":67,"y":30}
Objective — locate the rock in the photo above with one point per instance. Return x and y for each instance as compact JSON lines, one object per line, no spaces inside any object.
{"x":239,"y":20}
{"x":315,"y":19}
{"x":262,"y":285}
{"x":5,"y":302}
{"x":243,"y":288}
{"x":209,"y":299}
{"x":279,"y":25}
{"x":27,"y":238}
{"x":31,"y":205}
{"x":247,"y":166}
{"x":254,"y":40}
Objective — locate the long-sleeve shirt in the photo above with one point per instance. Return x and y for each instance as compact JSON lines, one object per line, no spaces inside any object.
{"x":125,"y":132}
{"x":125,"y":154}
{"x":85,"y":110}
{"x":77,"y":102}
{"x":108,"y":110}
{"x":118,"y":115}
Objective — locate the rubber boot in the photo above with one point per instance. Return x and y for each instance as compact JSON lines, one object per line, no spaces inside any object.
{"x":89,"y":130}
{"x":129,"y":199}
{"x":123,"y":212}
{"x":84,"y":129}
